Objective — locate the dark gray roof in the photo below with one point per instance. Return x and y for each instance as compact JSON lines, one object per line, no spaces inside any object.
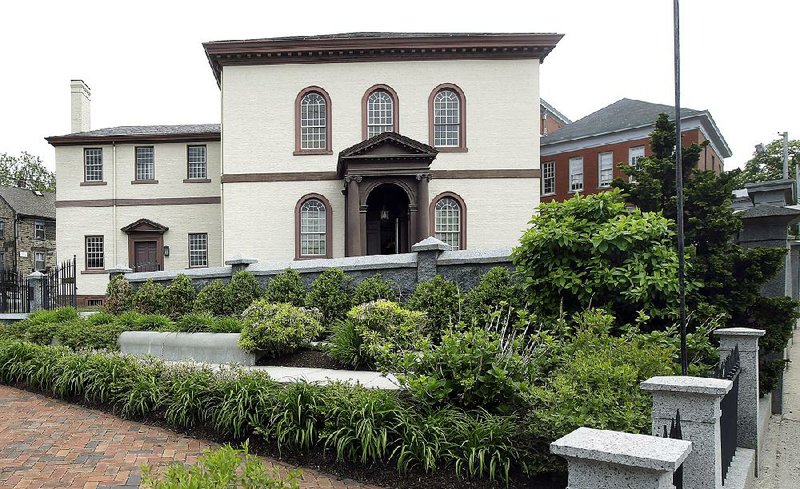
{"x":28,"y":203}
{"x":149,"y":130}
{"x":564,"y":119}
{"x":619,"y":116}
{"x":381,"y":35}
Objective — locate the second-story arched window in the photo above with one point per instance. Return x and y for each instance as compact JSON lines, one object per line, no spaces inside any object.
{"x":447,"y":118}
{"x":313,"y":121}
{"x":379,"y":107}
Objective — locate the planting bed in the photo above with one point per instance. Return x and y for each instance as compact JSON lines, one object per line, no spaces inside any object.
{"x":304,"y":358}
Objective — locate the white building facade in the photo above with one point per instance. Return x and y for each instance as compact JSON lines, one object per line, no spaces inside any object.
{"x":329,"y":146}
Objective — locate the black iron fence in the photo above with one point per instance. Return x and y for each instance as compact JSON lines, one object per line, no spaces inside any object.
{"x":15,"y":295}
{"x":58,"y":289}
{"x":729,"y":369}
{"x":675,"y":433}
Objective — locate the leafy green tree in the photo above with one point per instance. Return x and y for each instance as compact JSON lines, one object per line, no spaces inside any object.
{"x":729,"y":276}
{"x":768,"y":165}
{"x":594,"y":252}
{"x":26,"y":170}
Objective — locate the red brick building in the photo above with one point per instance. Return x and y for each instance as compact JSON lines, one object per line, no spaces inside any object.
{"x":583,"y":156}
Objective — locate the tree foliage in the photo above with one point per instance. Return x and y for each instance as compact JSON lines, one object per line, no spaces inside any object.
{"x":768,"y":165}
{"x":27,"y":171}
{"x":593,"y":251}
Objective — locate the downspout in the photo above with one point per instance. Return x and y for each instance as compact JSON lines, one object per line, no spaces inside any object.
{"x":114,"y":203}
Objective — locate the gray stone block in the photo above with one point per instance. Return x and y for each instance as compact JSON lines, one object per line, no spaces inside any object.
{"x":198,"y":347}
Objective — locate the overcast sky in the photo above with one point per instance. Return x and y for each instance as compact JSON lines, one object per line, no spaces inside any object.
{"x":145,"y":64}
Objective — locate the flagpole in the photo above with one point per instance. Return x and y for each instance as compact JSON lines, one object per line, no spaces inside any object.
{"x":679,"y":188}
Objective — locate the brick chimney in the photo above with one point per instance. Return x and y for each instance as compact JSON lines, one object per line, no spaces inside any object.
{"x":81,"y":106}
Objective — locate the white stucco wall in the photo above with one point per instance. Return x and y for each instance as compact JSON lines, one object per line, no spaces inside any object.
{"x":502,"y":111}
{"x":73,"y":224}
{"x":258,"y":120}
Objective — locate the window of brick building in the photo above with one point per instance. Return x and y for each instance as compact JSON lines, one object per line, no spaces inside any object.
{"x":549,"y":178}
{"x":605,"y":168}
{"x":93,"y":164}
{"x":39,"y":261}
{"x":38,"y":230}
{"x":197,"y":162}
{"x":145,"y":163}
{"x":576,"y":174}
{"x":95,"y":253}
{"x":198,"y":250}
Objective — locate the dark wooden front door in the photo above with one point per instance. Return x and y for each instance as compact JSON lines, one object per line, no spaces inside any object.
{"x":145,"y":255}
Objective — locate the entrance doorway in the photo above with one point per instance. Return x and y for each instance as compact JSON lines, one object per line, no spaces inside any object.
{"x":387,"y":220}
{"x":145,"y":256}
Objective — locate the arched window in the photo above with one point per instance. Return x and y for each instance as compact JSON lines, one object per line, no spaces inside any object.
{"x":313,"y":133}
{"x":449,"y":220}
{"x":447,"y":118}
{"x":380,"y":111}
{"x":313,"y":227}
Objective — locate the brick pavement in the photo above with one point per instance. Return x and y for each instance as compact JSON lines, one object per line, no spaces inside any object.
{"x":50,"y":443}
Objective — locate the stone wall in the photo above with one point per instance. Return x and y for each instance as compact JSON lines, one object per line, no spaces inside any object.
{"x":28,"y":244}
{"x":464,"y":267}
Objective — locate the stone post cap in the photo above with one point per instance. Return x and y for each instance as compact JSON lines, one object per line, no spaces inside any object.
{"x":430,"y":244}
{"x":740,"y":332}
{"x":36,"y":275}
{"x":240,"y":260}
{"x":614,"y":447}
{"x":120,"y":268}
{"x":687,"y":384}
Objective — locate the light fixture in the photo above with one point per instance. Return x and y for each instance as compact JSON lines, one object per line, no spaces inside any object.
{"x":384,"y":214}
{"x":166,"y":250}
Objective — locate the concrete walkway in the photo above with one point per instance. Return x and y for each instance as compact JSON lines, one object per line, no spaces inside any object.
{"x":50,"y":443}
{"x":780,"y":454}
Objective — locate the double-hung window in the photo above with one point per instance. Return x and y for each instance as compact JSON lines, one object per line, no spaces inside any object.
{"x":93,"y":164}
{"x":605,"y":169}
{"x":446,"y":119}
{"x":447,"y":222}
{"x":145,"y":163}
{"x":95,"y":253}
{"x":38,"y":230}
{"x":576,"y":174}
{"x":197,"y":162}
{"x":548,"y":178}
{"x":198,"y":250}
{"x":39,"y":261}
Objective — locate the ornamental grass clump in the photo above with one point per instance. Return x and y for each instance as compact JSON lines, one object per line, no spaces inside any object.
{"x":276,"y":329}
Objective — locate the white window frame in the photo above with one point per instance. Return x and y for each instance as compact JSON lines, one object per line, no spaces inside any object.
{"x":313,"y":228}
{"x":607,"y":167}
{"x":549,"y":178}
{"x":633,"y":158}
{"x":447,"y":119}
{"x":92,"y":164}
{"x":448,"y":220}
{"x":94,"y":247}
{"x":313,"y":122}
{"x":38,"y":229}
{"x":380,"y":113}
{"x":145,"y":157}
{"x":36,"y":261}
{"x":576,"y":174}
{"x":198,"y":250}
{"x":197,"y":163}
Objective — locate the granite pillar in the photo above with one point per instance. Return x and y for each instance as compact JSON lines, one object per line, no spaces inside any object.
{"x":600,"y":459}
{"x":698,"y":400}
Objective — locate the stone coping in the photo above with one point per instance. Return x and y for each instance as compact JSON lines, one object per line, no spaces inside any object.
{"x":614,"y":447}
{"x":740,"y":332}
{"x":459,"y":257}
{"x":687,"y":384}
{"x":430,"y":244}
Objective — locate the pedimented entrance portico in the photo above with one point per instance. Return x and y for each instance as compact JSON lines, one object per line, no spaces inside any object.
{"x":386,"y":192}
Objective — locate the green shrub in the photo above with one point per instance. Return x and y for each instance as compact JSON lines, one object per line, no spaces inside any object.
{"x":195,"y":322}
{"x":374,"y":334}
{"x":226,"y":325}
{"x":59,"y":315}
{"x":179,"y":296}
{"x":100,"y":317}
{"x":211,"y":299}
{"x":133,"y":321}
{"x":149,"y":298}
{"x":330,"y":293}
{"x":477,"y":368}
{"x":440,"y":299}
{"x":275,"y":329}
{"x":287,"y":287}
{"x":222,"y":468}
{"x":596,"y":383}
{"x":242,"y":290}
{"x":495,"y":292}
{"x":374,"y":288}
{"x":84,"y":335}
{"x":119,"y":295}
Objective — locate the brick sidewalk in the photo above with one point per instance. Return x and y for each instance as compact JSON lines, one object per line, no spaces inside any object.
{"x":49,"y":443}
